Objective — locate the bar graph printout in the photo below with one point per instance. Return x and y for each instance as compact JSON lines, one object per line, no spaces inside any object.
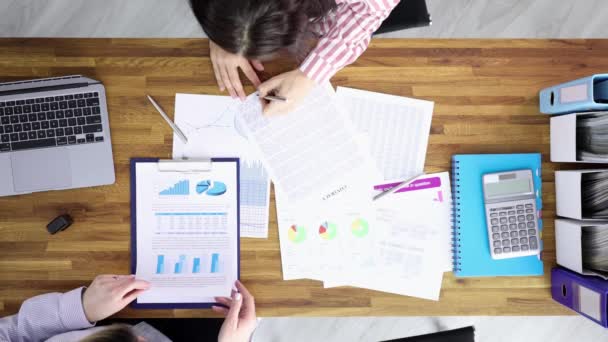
{"x":187,"y":243}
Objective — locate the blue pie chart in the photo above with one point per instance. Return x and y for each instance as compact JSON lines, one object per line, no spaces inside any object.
{"x":210,"y":188}
{"x":202,"y":186}
{"x":218,"y":189}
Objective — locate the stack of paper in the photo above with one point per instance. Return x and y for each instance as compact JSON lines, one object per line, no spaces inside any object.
{"x":401,"y":245}
{"x":313,"y":154}
{"x":329,"y":228}
{"x":210,"y":124}
{"x":327,"y":159}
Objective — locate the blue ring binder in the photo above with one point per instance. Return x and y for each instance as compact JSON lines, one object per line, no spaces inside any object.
{"x":581,"y":95}
{"x":455,"y":216}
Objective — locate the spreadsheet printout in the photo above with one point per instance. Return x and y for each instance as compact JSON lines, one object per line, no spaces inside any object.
{"x":397,"y":129}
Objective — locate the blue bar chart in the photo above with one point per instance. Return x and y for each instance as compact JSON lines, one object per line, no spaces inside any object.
{"x":183,"y":264}
{"x":196,"y":265}
{"x":179,"y":266}
{"x":181,"y":188}
{"x":215,"y":259}
{"x":160,"y":264}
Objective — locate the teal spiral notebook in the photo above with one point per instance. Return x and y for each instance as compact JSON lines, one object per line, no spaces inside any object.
{"x":471,"y":250}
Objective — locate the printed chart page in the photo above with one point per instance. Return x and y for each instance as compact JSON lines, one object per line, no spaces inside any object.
{"x":312,"y":153}
{"x":430,"y":189}
{"x":299,"y":249}
{"x":210,"y":124}
{"x":413,"y":242}
{"x":402,"y":260}
{"x":409,"y":263}
{"x":187,"y":233}
{"x":328,"y":245}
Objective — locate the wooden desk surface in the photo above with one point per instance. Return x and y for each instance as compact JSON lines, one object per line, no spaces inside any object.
{"x":486,"y":100}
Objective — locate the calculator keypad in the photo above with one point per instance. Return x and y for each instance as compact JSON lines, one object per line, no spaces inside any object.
{"x":513,"y":230}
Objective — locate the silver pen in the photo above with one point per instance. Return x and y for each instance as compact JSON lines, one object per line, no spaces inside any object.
{"x":397,"y":187}
{"x":176,"y":129}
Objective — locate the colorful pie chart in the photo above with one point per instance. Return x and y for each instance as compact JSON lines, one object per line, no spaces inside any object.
{"x":296,"y":234}
{"x":328,"y":230}
{"x":359,"y":227}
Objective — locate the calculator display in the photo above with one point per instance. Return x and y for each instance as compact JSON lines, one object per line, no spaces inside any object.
{"x":510,"y":187}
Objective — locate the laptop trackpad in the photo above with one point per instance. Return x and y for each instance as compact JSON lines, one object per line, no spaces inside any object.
{"x":44,"y":169}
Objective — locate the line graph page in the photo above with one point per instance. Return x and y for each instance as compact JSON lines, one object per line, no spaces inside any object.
{"x":211,"y":127}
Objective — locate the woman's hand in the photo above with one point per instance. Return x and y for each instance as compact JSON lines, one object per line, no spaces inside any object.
{"x":226,"y":68}
{"x":293,"y":85}
{"x":240,"y":319}
{"x":109,"y":294}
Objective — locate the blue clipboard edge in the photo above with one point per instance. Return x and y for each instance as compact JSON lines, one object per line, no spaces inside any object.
{"x":133,"y":163}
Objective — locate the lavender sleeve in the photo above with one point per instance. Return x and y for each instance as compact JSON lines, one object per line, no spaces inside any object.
{"x":44,"y":316}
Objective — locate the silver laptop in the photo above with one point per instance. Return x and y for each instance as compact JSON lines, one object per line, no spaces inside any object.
{"x":54,"y":134}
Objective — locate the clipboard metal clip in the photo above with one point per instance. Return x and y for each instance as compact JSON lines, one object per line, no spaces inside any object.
{"x":185,"y":165}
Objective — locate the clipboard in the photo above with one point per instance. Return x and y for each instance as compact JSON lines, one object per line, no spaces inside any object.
{"x":200,"y":165}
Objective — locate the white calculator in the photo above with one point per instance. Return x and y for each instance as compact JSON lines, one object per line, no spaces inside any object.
{"x":511,"y":214}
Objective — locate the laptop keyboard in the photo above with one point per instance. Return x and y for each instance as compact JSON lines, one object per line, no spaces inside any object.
{"x":50,"y":121}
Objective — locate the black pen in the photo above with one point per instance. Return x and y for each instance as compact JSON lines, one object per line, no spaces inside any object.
{"x":275,"y":98}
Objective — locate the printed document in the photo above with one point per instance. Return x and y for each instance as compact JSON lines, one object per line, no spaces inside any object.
{"x":312,"y":154}
{"x":323,"y":245}
{"x":430,"y":194}
{"x":414,"y":249}
{"x":401,"y":245}
{"x":397,"y":128}
{"x":210,"y":124}
{"x":299,"y":253}
{"x":187,"y":233}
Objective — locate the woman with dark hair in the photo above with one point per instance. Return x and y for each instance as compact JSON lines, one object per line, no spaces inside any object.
{"x":243,"y":33}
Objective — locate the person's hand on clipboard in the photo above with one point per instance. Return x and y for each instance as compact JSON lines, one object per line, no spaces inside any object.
{"x":239,"y":310}
{"x":108,"y":294}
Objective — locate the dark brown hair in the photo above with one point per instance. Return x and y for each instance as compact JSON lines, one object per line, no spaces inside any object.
{"x":114,"y":333}
{"x":258,"y":28}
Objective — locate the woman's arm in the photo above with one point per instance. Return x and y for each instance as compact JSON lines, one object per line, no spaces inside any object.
{"x":44,"y":316}
{"x":348,"y":35}
{"x":47,"y":315}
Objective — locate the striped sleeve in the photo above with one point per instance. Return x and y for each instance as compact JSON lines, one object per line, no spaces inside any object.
{"x":44,"y":316}
{"x":347,"y":36}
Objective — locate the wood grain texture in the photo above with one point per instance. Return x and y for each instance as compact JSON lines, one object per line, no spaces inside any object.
{"x":486,"y":101}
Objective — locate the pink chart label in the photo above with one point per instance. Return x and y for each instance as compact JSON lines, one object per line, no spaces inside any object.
{"x":418,"y":184}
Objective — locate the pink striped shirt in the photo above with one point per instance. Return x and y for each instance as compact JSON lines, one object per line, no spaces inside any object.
{"x":345,"y":32}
